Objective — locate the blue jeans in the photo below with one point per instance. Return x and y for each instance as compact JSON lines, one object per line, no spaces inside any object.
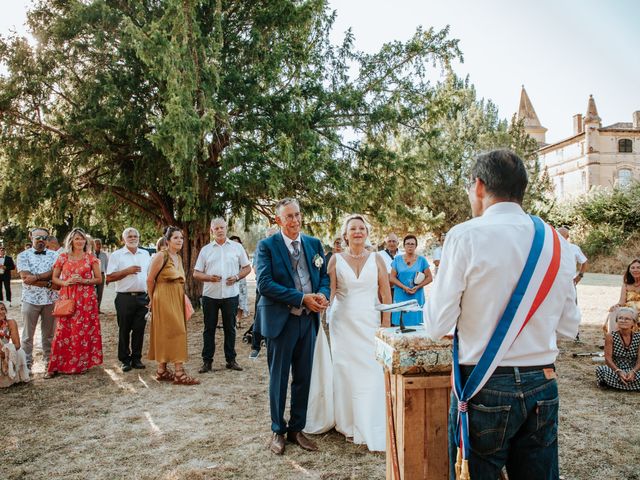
{"x":513,"y":421}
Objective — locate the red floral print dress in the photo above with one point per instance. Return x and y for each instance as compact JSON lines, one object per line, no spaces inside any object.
{"x":77,"y":344}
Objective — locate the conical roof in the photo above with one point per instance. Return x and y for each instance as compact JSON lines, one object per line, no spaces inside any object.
{"x":526,"y":111}
{"x":592,"y":112}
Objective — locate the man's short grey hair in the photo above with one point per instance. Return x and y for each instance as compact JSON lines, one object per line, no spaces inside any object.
{"x":128,"y":230}
{"x":630,"y":310}
{"x":218,"y":220}
{"x":284,"y":202}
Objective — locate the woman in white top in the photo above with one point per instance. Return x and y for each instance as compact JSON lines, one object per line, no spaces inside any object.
{"x":359,"y":281}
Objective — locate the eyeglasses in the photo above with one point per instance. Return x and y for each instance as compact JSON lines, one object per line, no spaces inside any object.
{"x":292,"y":216}
{"x":40,"y":237}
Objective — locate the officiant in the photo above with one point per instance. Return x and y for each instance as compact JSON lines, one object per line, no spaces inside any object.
{"x":409,"y":275}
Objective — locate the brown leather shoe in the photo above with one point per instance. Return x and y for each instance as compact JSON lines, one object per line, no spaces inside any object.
{"x":299,"y":439}
{"x":277,"y":444}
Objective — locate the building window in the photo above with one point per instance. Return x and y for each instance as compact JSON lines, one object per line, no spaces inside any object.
{"x":625,"y":176}
{"x":625,"y":146}
{"x":584,"y":181}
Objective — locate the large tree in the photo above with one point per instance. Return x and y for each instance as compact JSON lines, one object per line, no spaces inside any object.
{"x":175,"y":111}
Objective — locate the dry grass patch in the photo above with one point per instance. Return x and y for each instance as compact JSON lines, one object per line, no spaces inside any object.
{"x":109,"y":425}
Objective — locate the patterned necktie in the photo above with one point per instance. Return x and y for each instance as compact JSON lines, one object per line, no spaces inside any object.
{"x":296,"y":254}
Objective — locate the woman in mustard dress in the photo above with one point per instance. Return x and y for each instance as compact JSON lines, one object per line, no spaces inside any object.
{"x":168,"y":339}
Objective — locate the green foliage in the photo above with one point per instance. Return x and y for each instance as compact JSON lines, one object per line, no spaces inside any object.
{"x":602,"y":220}
{"x":602,"y":239}
{"x":173,"y":112}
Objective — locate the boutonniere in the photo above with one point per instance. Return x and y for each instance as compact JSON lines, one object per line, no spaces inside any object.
{"x":318,"y":261}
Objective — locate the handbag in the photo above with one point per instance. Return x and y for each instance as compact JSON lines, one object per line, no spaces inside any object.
{"x":64,"y":307}
{"x":188,"y":307}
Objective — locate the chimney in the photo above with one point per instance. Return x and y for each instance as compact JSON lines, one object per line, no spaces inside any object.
{"x":578,"y":126}
{"x":636,"y":119}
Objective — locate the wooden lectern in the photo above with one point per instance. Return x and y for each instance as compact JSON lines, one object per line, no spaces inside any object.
{"x":418,"y":384}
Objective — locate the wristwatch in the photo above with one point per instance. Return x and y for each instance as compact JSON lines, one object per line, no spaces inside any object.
{"x":581,"y":274}
{"x":49,"y":284}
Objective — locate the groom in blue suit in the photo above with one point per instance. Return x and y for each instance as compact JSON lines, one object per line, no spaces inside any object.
{"x":294,"y":288}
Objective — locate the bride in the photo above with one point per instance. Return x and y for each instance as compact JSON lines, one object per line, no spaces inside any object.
{"x":359,"y":281}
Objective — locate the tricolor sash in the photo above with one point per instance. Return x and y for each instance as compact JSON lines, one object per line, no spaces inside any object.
{"x":537,"y":277}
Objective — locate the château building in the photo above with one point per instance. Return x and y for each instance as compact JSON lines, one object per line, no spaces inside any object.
{"x":594,"y":156}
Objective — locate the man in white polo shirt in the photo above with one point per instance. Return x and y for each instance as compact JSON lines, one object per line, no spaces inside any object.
{"x":128,"y":267}
{"x":220,"y":265}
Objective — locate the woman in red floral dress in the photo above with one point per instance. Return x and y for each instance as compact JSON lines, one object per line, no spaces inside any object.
{"x":77,"y":344}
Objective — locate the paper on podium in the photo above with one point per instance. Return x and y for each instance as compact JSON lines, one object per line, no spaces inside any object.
{"x":406,"y":306}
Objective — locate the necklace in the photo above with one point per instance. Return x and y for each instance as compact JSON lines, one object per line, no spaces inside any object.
{"x":359,"y":255}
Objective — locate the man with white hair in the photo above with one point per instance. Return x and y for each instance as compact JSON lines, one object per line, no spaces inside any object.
{"x":128,"y":267}
{"x":221,"y":265}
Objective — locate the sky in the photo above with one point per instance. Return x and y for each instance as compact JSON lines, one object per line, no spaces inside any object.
{"x":560,"y":50}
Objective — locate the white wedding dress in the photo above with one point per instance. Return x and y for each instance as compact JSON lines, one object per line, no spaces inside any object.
{"x":358,"y":380}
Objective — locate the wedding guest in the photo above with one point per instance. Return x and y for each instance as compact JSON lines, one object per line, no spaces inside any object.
{"x":221,"y":265}
{"x":128,"y":267}
{"x":390,"y":251}
{"x":621,"y":354}
{"x":337,"y":248}
{"x":28,"y":245}
{"x":161,"y":245}
{"x":437,"y":254}
{"x":358,"y":278}
{"x":104,"y":261}
{"x":243,"y":298}
{"x":54,"y":245}
{"x":13,"y":360}
{"x":581,"y":259}
{"x":168,"y":333}
{"x":77,"y":344}
{"x":409,"y":275}
{"x":629,"y":294}
{"x":6,"y":267}
{"x":35,"y":266}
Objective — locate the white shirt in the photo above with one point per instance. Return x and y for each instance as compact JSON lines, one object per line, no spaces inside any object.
{"x":386,"y":258}
{"x":104,"y":260}
{"x":579,"y":257}
{"x":123,"y":258}
{"x":437,"y":253}
{"x":289,"y":242}
{"x":482,"y":260}
{"x":225,"y":261}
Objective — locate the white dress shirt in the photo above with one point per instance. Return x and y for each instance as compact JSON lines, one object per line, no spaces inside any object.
{"x":579,"y":257}
{"x":224,"y":260}
{"x":482,"y":260}
{"x":123,"y":258}
{"x":289,"y":242}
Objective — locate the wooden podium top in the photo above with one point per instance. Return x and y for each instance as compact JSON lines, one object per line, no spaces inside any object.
{"x":412,"y":352}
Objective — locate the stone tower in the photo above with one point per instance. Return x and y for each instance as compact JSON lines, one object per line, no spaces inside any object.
{"x":531,"y":123}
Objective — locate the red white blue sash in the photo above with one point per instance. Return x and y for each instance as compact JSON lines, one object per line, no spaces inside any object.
{"x":537,"y":277}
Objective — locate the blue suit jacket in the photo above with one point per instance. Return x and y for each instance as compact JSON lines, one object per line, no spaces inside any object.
{"x":274,"y":276}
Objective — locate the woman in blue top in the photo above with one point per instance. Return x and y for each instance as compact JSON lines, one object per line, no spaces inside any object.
{"x":403,"y":278}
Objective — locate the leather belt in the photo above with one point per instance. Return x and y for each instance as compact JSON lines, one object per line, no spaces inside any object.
{"x":467,"y":369}
{"x":133,"y":294}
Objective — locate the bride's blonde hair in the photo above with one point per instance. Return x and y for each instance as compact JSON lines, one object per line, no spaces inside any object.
{"x":354,"y":216}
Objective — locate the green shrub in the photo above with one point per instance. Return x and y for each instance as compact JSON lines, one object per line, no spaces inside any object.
{"x":602,"y":240}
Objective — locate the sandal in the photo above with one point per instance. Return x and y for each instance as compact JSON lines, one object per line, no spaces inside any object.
{"x":181,"y":378}
{"x":165,"y":376}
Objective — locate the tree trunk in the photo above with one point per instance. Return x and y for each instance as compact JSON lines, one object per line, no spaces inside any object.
{"x":196,"y":236}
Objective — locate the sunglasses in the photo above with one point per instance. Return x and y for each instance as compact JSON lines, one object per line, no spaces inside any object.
{"x":40,"y":237}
